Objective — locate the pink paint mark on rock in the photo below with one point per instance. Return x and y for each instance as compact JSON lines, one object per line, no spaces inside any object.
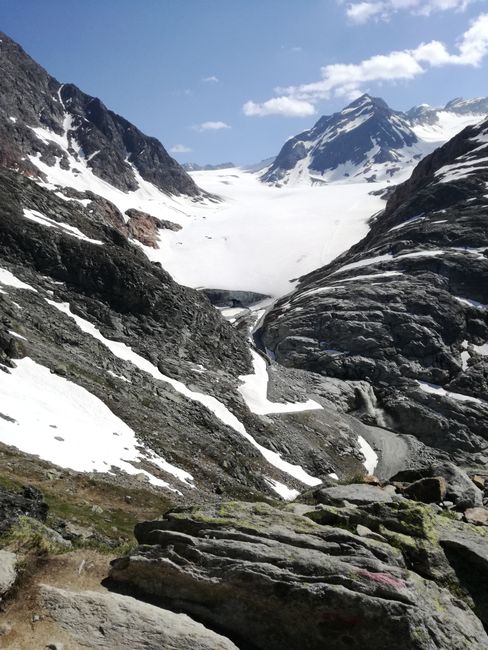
{"x":384,"y":579}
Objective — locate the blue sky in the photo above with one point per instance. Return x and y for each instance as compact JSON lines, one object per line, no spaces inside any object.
{"x":233,"y":79}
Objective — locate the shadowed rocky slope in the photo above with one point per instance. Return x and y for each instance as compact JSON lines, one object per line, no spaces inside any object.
{"x":112,"y":147}
{"x":406,"y":308}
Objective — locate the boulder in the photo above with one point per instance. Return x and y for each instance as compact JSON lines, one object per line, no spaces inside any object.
{"x":479,"y":480}
{"x":356,"y":493}
{"x":106,"y":620}
{"x":427,"y":490}
{"x":8,"y":572}
{"x":460,"y":488}
{"x":477,"y":516}
{"x":274,"y":579}
{"x":466,"y":548}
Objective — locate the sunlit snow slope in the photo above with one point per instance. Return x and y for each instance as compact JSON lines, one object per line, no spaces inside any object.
{"x":259,"y":238}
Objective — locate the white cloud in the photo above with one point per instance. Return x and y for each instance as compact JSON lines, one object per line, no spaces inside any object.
{"x":211,"y":80}
{"x":348,"y":79}
{"x":362,"y":12}
{"x":180,"y":148}
{"x":287,"y":106}
{"x":211,"y":126}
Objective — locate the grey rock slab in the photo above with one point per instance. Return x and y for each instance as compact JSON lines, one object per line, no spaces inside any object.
{"x":8,"y":571}
{"x":356,"y":493}
{"x":112,"y":621}
{"x":233,"y":567}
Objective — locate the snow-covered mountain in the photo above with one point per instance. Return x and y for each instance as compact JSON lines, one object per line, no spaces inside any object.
{"x":368,"y":141}
{"x":438,"y":125}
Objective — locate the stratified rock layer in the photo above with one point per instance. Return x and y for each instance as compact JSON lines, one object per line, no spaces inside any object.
{"x":102,"y":620}
{"x":271,"y":578}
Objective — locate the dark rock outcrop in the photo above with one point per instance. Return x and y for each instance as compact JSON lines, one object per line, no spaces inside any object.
{"x":405,"y":308}
{"x":271,"y":578}
{"x":113,"y":148}
{"x":27,"y":503}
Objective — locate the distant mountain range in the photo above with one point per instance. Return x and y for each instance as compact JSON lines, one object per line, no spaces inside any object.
{"x":369,"y":141}
{"x":194,"y":167}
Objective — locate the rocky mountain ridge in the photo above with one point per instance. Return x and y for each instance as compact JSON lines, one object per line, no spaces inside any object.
{"x":368,"y":141}
{"x":405,"y":309}
{"x":44,"y":121}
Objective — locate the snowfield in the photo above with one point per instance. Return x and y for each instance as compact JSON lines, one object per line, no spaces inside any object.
{"x":261,"y":238}
{"x":254,"y":390}
{"x":256,"y":238}
{"x":69,"y":426}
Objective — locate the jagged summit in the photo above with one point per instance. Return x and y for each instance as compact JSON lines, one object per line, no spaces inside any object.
{"x":366,"y":139}
{"x":46,"y":124}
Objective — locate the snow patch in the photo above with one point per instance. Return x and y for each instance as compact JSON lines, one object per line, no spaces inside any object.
{"x":8,"y":279}
{"x":433,"y":389}
{"x":370,"y":456}
{"x":254,"y":390}
{"x":33,"y":215}
{"x":286,"y":493}
{"x":220,"y":411}
{"x":68,"y":426}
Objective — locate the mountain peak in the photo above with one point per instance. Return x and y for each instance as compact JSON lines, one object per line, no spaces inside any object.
{"x":367,"y":100}
{"x":367,"y":139}
{"x":46,"y":125}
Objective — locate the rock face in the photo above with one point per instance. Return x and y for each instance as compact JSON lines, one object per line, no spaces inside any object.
{"x":101,"y":620}
{"x":14,"y":505}
{"x":31,"y":102}
{"x":270,"y":578}
{"x":405,"y":309}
